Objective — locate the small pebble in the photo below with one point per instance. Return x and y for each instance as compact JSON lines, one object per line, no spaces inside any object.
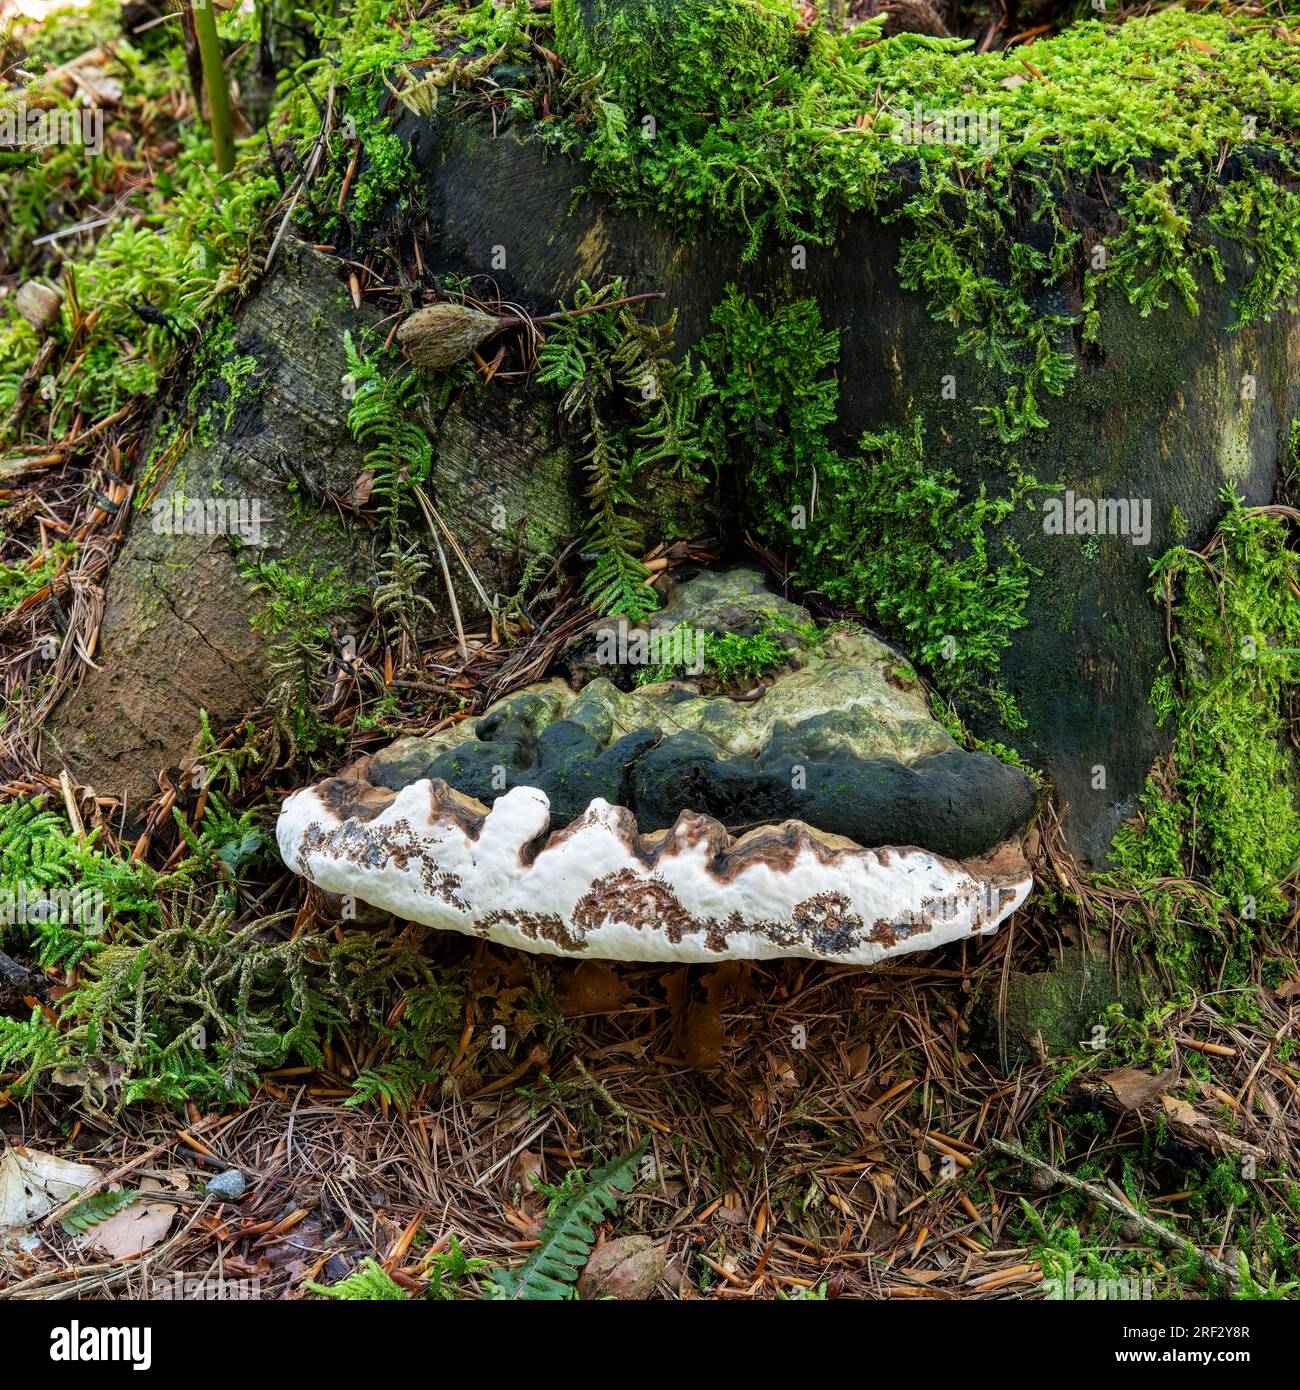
{"x":228,"y":1186}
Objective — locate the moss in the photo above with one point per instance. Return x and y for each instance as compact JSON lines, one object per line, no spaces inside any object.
{"x":301,"y":601}
{"x":226,"y":381}
{"x":879,"y":531}
{"x":731,"y":658}
{"x":656,"y":55}
{"x":728,"y":114}
{"x":362,"y":49}
{"x":179,"y":1003}
{"x":67,"y":31}
{"x":389,"y":173}
{"x":19,"y":583}
{"x":133,"y":296}
{"x":1225,"y":810}
{"x":1061,"y":1007}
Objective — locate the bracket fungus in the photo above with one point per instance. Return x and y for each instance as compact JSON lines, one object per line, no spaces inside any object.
{"x":825,"y":814}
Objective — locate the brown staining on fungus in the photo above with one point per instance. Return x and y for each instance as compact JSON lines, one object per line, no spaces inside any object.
{"x":825,"y":923}
{"x":536,"y":926}
{"x":350,"y":796}
{"x":647,"y":904}
{"x":828,"y":923}
{"x":356,"y":843}
{"x":447,"y":804}
{"x":882,"y":933}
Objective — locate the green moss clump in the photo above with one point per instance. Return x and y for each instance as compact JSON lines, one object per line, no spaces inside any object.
{"x":879,"y":531}
{"x":300,"y":602}
{"x":173,"y":1001}
{"x":185,"y":239}
{"x":724,"y":114}
{"x":362,"y":48}
{"x":733,"y":657}
{"x":678,"y":55}
{"x":21,"y":582}
{"x":1264,"y":219}
{"x":1225,"y":810}
{"x":226,"y":381}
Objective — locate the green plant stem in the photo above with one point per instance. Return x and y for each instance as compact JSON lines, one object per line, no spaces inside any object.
{"x":214,"y":81}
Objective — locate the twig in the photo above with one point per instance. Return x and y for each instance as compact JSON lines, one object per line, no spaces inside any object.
{"x":431,"y":511}
{"x":87,"y":1277}
{"x":1107,"y":1199}
{"x":446,"y":576}
{"x":26,"y":388}
{"x":513,"y":320}
{"x":303,"y":179}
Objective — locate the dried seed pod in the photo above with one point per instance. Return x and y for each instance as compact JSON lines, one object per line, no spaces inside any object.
{"x":38,"y":303}
{"x":440,"y":335}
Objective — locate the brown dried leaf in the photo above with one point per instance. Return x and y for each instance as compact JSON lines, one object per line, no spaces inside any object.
{"x":33,"y":1184}
{"x":1182,"y":1112}
{"x":858,"y":1060}
{"x":703,"y":1036}
{"x":1132,"y":1087}
{"x":362,"y":488}
{"x":627,"y":1268}
{"x":593,"y":989}
{"x":134,"y":1229}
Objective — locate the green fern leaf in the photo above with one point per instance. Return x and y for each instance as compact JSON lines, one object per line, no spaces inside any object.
{"x":370,"y":1283}
{"x":569,"y":1232}
{"x":96,"y":1209}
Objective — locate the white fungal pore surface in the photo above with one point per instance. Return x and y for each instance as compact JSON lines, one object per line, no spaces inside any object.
{"x":598,"y":889}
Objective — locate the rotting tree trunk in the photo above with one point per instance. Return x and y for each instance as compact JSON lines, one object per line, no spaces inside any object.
{"x":177,"y":635}
{"x":1158,"y":412}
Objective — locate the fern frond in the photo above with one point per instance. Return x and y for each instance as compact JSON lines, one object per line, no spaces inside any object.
{"x":397,"y":595}
{"x":96,"y":1209}
{"x":397,"y":1081}
{"x":569,"y":1232}
{"x":636,"y":408}
{"x":398,"y":451}
{"x":369,"y":1283}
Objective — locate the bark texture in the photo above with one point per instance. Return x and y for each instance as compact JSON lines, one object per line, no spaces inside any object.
{"x":177,"y":634}
{"x":1170,"y":408}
